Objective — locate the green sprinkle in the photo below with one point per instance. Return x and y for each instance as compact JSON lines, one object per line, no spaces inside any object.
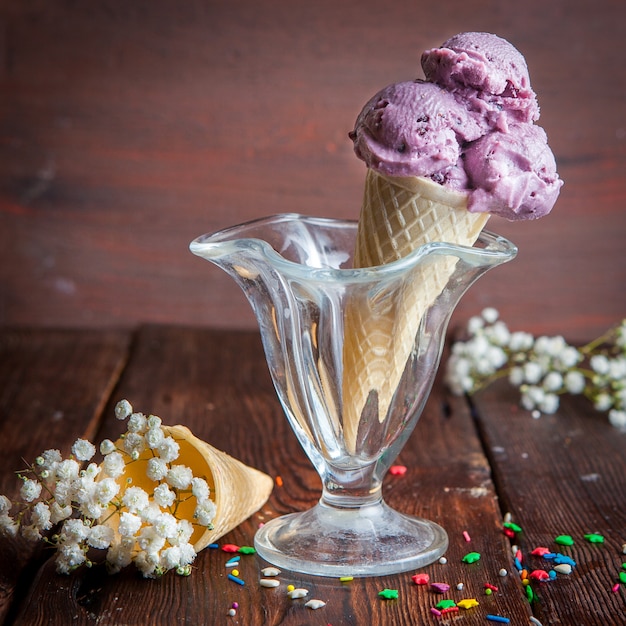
{"x":488,"y":591}
{"x":622,"y":577}
{"x":247,"y":550}
{"x":623,"y":565}
{"x":389,"y":594}
{"x":564,"y":540}
{"x":594,"y":538}
{"x":445,"y":604}
{"x":530,"y":594}
{"x":514,"y":527}
{"x":471,"y":557}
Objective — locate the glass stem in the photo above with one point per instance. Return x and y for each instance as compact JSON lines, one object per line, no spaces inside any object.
{"x":351,"y":488}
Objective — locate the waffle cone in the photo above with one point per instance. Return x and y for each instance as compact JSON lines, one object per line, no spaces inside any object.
{"x":237,"y":490}
{"x":398,"y":216}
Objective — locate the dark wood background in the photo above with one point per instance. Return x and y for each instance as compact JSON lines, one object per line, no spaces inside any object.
{"x":128,"y":128}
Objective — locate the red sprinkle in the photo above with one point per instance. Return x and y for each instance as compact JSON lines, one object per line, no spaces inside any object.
{"x":539,"y":574}
{"x":451,"y":609}
{"x":519,"y":556}
{"x":540,"y":551}
{"x":397,"y":470}
{"x":420,"y":579}
{"x":508,"y":532}
{"x":230,"y":547}
{"x":615,"y":588}
{"x":492,"y":587}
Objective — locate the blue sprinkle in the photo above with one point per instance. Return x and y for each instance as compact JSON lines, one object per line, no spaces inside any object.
{"x":552,"y":574}
{"x":498,"y":618}
{"x":549,"y":556}
{"x":236,"y":580}
{"x":562,"y":559}
{"x":518,"y":565}
{"x":232,"y":561}
{"x":214,"y":545}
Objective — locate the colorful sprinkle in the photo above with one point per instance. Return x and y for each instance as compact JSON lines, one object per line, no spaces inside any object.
{"x":389,"y":594}
{"x":460,"y":586}
{"x":232,"y":562}
{"x":232,"y":612}
{"x":279,"y":481}
{"x":270,"y":571}
{"x":246,"y":550}
{"x":503,"y":572}
{"x":397,"y":470}
{"x":498,"y":618}
{"x":299,"y":592}
{"x":539,"y":574}
{"x":514,"y":527}
{"x":468,"y":603}
{"x":466,"y":536}
{"x":235,"y":572}
{"x":213,"y":545}
{"x":490,"y":586}
{"x":563,"y":568}
{"x":290,"y":588}
{"x":420,"y":579}
{"x":564,"y":540}
{"x":235,"y":579}
{"x":230,"y":547}
{"x":235,"y":605}
{"x":315,"y":604}
{"x":560,"y":559}
{"x":615,"y":588}
{"x":622,"y":577}
{"x":471,"y":557}
{"x":346,"y":579}
{"x":540,"y":551}
{"x":443,"y":560}
{"x":488,"y":591}
{"x":624,"y":548}
{"x":440,"y":587}
{"x":445,"y":604}
{"x":435,"y":611}
{"x":535,"y":621}
{"x":451,"y":609}
{"x":269,"y":582}
{"x":594,"y":538}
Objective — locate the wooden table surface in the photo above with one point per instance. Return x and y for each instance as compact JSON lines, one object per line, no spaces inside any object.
{"x":467,"y":466}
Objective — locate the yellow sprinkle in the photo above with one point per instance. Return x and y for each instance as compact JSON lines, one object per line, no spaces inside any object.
{"x":290,"y":587}
{"x":235,"y":572}
{"x":346,"y":579}
{"x":468,"y":603}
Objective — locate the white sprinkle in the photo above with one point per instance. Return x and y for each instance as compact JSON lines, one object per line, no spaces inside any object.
{"x":507,"y":518}
{"x":563,"y":568}
{"x":460,"y":586}
{"x":269,"y":582}
{"x":535,"y":621}
{"x":296,"y":594}
{"x":232,"y":612}
{"x":624,"y":548}
{"x":443,"y":560}
{"x":270,"y":571}
{"x":503,"y":572}
{"x":315,"y":604}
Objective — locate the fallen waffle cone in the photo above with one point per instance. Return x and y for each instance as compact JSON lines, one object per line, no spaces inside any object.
{"x":237,"y":490}
{"x":398,"y":216}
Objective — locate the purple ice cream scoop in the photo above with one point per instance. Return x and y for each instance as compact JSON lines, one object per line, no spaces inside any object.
{"x":469,"y":127}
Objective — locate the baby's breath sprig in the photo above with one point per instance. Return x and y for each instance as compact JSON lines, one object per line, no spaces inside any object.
{"x":543,"y":368}
{"x":85,"y":510}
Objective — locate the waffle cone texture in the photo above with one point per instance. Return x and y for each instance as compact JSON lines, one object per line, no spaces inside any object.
{"x":398,"y":216}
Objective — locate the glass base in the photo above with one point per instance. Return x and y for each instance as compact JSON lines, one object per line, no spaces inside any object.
{"x":372,"y":540}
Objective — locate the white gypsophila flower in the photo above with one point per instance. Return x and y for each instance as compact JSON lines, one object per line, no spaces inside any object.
{"x":134,"y":444}
{"x":63,"y":492}
{"x":184,"y":531}
{"x":498,"y":334}
{"x":490,"y":315}
{"x":574,"y":382}
{"x":179,"y":477}
{"x":40,"y":516}
{"x":106,"y":447}
{"x":200,"y":488}
{"x":603,"y":402}
{"x":549,"y":404}
{"x":164,"y":496}
{"x":92,"y":471}
{"x":119,"y":556}
{"x":154,"y":421}
{"x":532,"y":396}
{"x":83,"y":489}
{"x":74,"y":531}
{"x":31,"y":490}
{"x":617,"y":419}
{"x":170,"y":558}
{"x":83,"y":450}
{"x":154,"y":437}
{"x":620,"y":335}
{"x":600,"y":364}
{"x":568,"y":357}
{"x":106,"y":490}
{"x":533,"y":372}
{"x":8,"y":526}
{"x":5,"y":505}
{"x":135,"y":499}
{"x":150,"y":539}
{"x":123,"y":409}
{"x":187,"y":553}
{"x":31,"y":532}
{"x":520,"y":341}
{"x":549,"y":346}
{"x":137,"y":423}
{"x":69,"y":557}
{"x":617,"y":368}
{"x":150,"y":514}
{"x":497,"y":357}
{"x":165,"y":525}
{"x":516,"y":376}
{"x":475,"y":324}
{"x":205,"y":512}
{"x":168,"y":450}
{"x":147,"y":563}
{"x":129,"y":524}
{"x":100,"y":536}
{"x":67,"y":470}
{"x":59,"y":513}
{"x":156,"y":469}
{"x":49,"y":460}
{"x":553,"y":381}
{"x":114,"y":464}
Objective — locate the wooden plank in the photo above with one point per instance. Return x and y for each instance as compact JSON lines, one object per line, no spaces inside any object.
{"x":217,"y":384}
{"x":53,"y":386}
{"x":563,"y":473}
